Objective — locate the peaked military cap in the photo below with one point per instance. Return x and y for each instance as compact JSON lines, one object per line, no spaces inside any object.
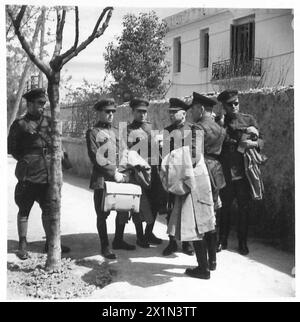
{"x":105,"y":104}
{"x":35,"y":93}
{"x":203,"y":100}
{"x":228,"y":95}
{"x":177,"y":104}
{"x":139,"y":104}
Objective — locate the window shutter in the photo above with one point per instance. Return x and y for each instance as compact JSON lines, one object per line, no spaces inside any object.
{"x":251,"y":40}
{"x":206,"y":61}
{"x":232,"y":41}
{"x":179,"y":56}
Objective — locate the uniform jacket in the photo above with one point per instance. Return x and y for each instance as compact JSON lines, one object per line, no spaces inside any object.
{"x":105,"y":161}
{"x":29,"y":142}
{"x":139,"y":139}
{"x":232,"y":160}
{"x":214,"y":136}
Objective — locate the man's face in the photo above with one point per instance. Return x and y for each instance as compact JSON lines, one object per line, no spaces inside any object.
{"x":140,"y":115}
{"x":197,"y":111}
{"x":233,"y":107}
{"x":37,"y":106}
{"x":177,"y":116}
{"x":106,"y":116}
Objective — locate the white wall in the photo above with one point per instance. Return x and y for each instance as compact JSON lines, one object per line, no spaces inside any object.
{"x":273,"y":42}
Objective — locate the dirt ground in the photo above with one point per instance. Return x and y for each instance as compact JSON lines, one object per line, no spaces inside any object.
{"x":143,"y":274}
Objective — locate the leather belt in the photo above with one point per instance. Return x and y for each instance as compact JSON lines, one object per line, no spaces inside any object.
{"x":211,"y":156}
{"x":39,"y":151}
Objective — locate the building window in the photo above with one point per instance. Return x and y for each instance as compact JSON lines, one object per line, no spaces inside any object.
{"x":242,"y":40}
{"x":177,"y":55}
{"x":204,"y":48}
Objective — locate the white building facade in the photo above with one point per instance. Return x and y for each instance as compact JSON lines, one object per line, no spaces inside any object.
{"x":212,"y":49}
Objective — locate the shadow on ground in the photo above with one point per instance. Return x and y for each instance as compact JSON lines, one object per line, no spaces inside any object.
{"x":126,"y":268}
{"x":134,"y":268}
{"x":76,"y":181}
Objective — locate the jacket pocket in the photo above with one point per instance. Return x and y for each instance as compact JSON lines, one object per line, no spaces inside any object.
{"x":21,"y":170}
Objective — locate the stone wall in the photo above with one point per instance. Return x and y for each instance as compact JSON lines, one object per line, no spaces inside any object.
{"x":78,"y":155}
{"x":274,"y":218}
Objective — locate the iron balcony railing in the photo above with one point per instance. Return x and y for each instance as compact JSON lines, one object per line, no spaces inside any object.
{"x":231,"y":69}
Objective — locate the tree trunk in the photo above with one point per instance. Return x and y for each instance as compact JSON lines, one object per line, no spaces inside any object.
{"x":53,"y":230}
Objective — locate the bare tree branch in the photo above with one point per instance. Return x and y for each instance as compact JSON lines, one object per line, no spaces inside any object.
{"x":22,"y":26}
{"x":100,"y":19}
{"x":20,"y":16}
{"x":95,"y":34}
{"x":16,"y":22}
{"x":68,"y":52}
{"x":25,"y":73}
{"x":59,"y":33}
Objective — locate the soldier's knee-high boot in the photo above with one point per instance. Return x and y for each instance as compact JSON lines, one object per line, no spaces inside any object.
{"x":202,"y":270}
{"x":187,"y":248}
{"x":118,"y":242}
{"x":22,"y":231}
{"x":140,"y":238}
{"x":171,"y":248}
{"x":211,"y":243}
{"x":102,"y":232}
{"x":149,"y":236}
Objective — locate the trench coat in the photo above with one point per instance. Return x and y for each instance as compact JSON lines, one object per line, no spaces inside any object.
{"x":193,"y":212}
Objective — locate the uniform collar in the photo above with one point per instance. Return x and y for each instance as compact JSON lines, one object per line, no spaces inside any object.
{"x":32,"y":117}
{"x":179,"y":126}
{"x":138,"y":123}
{"x":104,"y":125}
{"x":228,"y":118}
{"x":205,"y":118}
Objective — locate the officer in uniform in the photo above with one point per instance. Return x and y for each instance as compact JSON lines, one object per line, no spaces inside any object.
{"x":29,"y":142}
{"x":237,"y":185}
{"x":105,"y":169}
{"x":177,"y":111}
{"x":137,"y":132}
{"x":214,"y":135}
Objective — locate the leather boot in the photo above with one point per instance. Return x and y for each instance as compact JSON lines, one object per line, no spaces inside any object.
{"x":118,"y":242}
{"x":107,"y":253}
{"x":22,"y":231}
{"x":22,"y":250}
{"x":102,"y":232}
{"x":171,"y":248}
{"x":187,"y":248}
{"x":243,"y":248}
{"x":202,"y":271}
{"x":222,"y":245}
{"x":211,"y":241}
{"x":150,"y":237}
{"x":140,"y":238}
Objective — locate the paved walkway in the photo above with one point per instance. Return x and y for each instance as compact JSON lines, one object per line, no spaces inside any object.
{"x":145,"y":274}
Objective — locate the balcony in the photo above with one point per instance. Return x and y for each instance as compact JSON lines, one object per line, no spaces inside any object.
{"x":229,"y":69}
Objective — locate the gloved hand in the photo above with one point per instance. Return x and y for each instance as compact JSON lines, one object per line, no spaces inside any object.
{"x":248,"y":144}
{"x":119,"y":177}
